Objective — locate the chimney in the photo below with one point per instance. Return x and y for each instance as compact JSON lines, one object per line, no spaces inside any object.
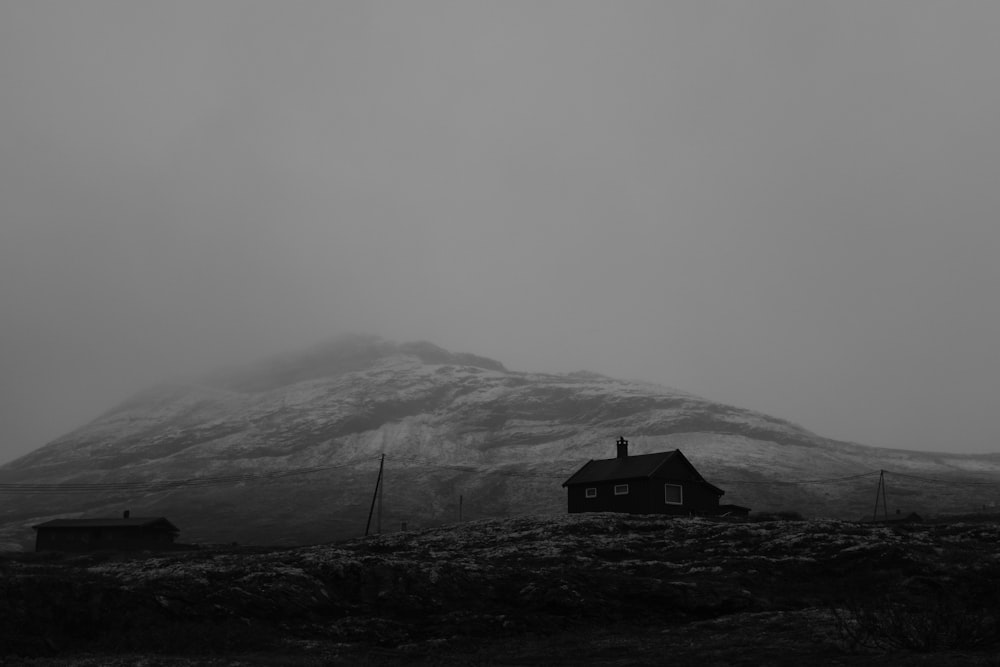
{"x":125,"y":514}
{"x":622,"y":448}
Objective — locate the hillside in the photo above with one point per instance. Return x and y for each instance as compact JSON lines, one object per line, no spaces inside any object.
{"x":298,"y":439}
{"x":591,"y":589}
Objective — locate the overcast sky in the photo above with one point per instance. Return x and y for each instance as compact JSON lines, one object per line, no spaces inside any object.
{"x":787,"y":206}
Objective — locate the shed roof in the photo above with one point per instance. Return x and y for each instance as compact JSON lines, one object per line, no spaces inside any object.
{"x":636,"y":467}
{"x":132,"y":522}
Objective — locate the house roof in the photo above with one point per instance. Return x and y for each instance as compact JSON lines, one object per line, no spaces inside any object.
{"x":638,"y":467}
{"x":132,"y":522}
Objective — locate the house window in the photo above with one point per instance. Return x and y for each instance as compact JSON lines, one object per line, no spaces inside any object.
{"x":591,"y":492}
{"x":673,"y":494}
{"x":621,"y":489}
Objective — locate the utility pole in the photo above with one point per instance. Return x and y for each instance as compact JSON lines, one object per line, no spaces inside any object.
{"x":378,"y":495}
{"x":381,"y":487}
{"x":460,"y":508}
{"x":880,"y":491}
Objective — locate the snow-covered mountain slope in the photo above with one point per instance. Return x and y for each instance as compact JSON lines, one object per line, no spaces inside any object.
{"x":450,"y":425}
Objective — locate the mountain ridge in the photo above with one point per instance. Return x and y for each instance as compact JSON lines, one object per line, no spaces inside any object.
{"x":357,"y":397}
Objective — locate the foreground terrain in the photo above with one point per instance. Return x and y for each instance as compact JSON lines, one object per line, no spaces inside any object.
{"x":582,"y":589}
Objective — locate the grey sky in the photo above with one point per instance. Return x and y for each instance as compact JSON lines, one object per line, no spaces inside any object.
{"x":789,"y":206}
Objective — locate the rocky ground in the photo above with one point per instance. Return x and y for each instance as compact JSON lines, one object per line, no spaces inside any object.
{"x":597,"y":589}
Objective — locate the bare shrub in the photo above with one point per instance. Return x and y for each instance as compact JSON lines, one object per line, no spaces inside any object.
{"x":944,"y":621}
{"x":781,"y":515}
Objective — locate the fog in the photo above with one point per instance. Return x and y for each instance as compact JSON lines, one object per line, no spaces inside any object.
{"x":791,"y":207}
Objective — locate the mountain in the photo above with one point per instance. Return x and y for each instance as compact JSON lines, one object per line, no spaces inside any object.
{"x":286,"y":451}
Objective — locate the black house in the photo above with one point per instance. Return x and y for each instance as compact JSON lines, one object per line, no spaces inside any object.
{"x":124,"y":534}
{"x":661,"y":483}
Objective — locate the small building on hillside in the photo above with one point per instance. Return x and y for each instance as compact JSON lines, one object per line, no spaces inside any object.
{"x":661,"y":483}
{"x":124,"y":534}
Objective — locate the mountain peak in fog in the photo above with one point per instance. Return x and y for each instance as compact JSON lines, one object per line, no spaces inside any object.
{"x":346,"y":353}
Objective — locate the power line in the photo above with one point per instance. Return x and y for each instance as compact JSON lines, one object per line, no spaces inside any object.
{"x":162,"y":485}
{"x":563,"y":475}
{"x":480,"y":470}
{"x":944,"y":481}
{"x":826,"y":480}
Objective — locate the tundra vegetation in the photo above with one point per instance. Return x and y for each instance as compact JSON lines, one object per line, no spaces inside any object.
{"x":570,"y":589}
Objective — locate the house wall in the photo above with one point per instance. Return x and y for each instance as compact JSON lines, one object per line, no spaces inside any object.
{"x":96,"y":538}
{"x":635,"y":502}
{"x":698,"y":497}
{"x":646,"y":496}
{"x":655,"y":503}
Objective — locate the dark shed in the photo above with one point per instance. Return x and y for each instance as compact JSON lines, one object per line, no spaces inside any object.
{"x":661,"y":483}
{"x":125,"y":534}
